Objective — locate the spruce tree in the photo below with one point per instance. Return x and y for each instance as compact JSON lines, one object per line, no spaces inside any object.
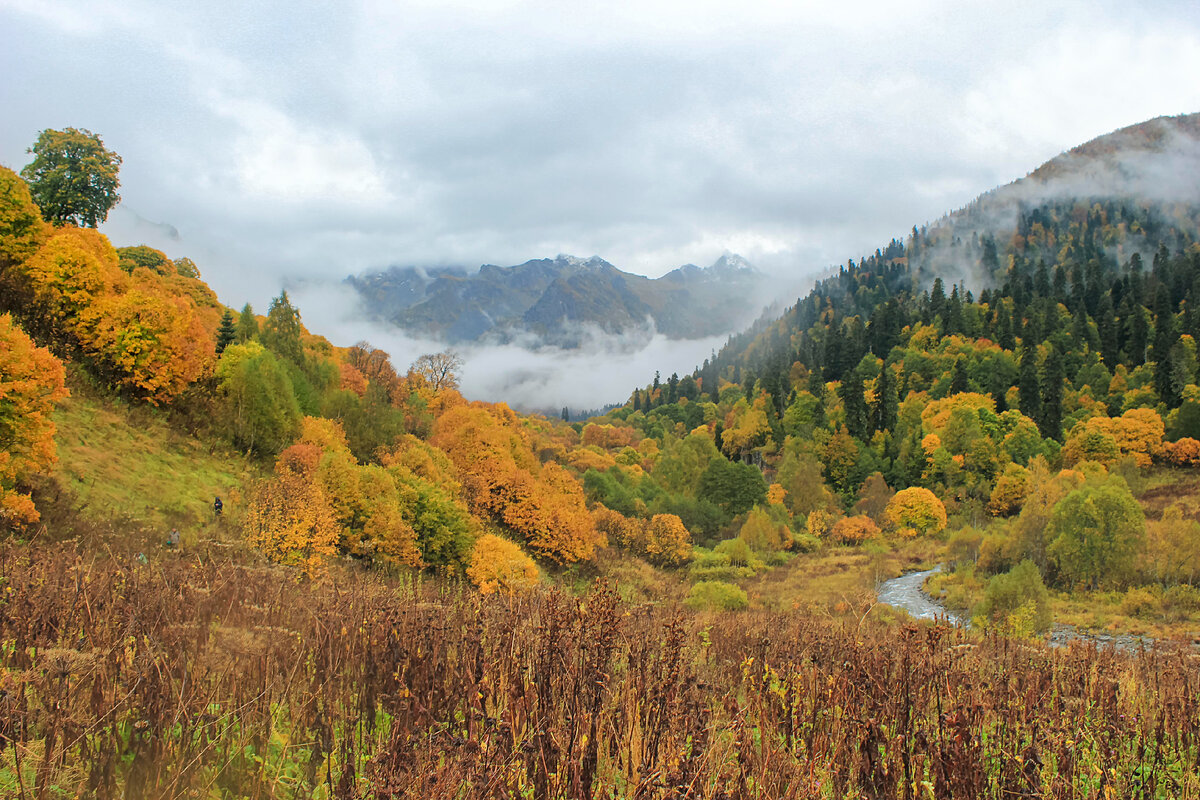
{"x":1030,"y":390}
{"x":1166,"y":334}
{"x":884,"y":409}
{"x":227,"y":332}
{"x":958,"y":380}
{"x":1050,"y":423}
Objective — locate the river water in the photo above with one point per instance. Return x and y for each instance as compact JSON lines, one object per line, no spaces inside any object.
{"x":907,"y":592}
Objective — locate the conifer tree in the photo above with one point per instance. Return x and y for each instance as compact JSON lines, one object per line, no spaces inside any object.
{"x":958,"y":381}
{"x":1050,"y":421}
{"x":226,"y":333}
{"x":884,"y":409}
{"x":1027,"y":383}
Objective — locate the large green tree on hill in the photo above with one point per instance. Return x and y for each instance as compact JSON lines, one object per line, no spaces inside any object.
{"x":72,"y":177}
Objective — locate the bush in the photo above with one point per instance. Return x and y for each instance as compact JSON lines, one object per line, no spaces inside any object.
{"x":1016,"y":602}
{"x":1141,"y":602}
{"x":1180,"y":602}
{"x":717,"y":596}
{"x":737,"y":550}
{"x":805,"y":543}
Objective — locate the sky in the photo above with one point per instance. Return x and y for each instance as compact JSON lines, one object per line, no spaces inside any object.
{"x":293,"y":144}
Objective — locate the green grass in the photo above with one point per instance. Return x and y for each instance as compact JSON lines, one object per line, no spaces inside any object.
{"x":122,"y":461}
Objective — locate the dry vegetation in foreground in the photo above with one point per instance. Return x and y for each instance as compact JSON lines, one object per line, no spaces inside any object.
{"x":194,"y":676}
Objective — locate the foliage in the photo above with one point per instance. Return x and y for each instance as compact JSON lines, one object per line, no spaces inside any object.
{"x":1095,"y":533}
{"x":915,"y":511}
{"x":854,"y":530}
{"x":1172,"y":549}
{"x":73,"y":178}
{"x":289,"y":516}
{"x":31,"y":382}
{"x":282,"y":332}
{"x":22,"y":231}
{"x":764,"y":533}
{"x":498,"y":565}
{"x":716,"y":596}
{"x":258,"y":405}
{"x":733,"y":487}
{"x":1016,"y":602}
{"x":1009,"y":494}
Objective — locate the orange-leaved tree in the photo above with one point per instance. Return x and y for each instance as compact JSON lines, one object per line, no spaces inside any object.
{"x":854,"y":530}
{"x":504,"y":480}
{"x":31,"y":382}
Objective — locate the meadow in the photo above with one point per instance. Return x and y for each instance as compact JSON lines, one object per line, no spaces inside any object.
{"x":210,"y":674}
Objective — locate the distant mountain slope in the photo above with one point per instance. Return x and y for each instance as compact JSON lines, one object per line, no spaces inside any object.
{"x":553,"y":300}
{"x":1075,"y":223}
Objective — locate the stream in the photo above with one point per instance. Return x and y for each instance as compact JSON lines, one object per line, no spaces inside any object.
{"x":907,"y":592}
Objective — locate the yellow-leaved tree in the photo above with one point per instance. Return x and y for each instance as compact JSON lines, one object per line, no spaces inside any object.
{"x":289,"y":517}
{"x":915,"y":511}
{"x":31,"y":382}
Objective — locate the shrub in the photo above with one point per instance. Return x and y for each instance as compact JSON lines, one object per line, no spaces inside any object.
{"x":854,"y":530}
{"x":1016,"y":602}
{"x":1141,"y":602}
{"x":498,"y":565}
{"x":737,"y":550}
{"x":717,"y":596}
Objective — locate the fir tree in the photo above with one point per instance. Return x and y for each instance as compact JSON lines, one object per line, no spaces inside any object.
{"x":884,"y":409}
{"x":958,"y":381}
{"x":1050,"y":422}
{"x":1030,"y":390}
{"x":227,"y":332}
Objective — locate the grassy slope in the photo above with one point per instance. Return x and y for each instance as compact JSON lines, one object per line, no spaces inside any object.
{"x":127,"y":462}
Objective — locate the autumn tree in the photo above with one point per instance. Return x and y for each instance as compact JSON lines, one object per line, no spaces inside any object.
{"x":915,"y":511}
{"x":764,"y":533}
{"x":289,"y":517}
{"x":56,"y":285}
{"x":73,"y":177}
{"x":854,"y":530}
{"x":22,"y":230}
{"x":148,"y":343}
{"x":31,"y":382}
{"x":1172,"y":550}
{"x":440,"y":370}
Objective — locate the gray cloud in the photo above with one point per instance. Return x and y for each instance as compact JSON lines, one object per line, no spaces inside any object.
{"x":304,"y":140}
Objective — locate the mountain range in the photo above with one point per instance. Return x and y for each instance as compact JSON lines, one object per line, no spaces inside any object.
{"x":558,"y":300}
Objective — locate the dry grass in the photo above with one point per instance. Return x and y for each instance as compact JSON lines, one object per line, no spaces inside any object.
{"x":204,"y":677}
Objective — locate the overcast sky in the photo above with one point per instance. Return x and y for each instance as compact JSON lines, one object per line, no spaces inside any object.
{"x":313,"y":140}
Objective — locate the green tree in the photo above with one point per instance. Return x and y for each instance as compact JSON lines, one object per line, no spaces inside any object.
{"x":226,"y":332}
{"x":281,"y":332}
{"x":1095,"y":532}
{"x":260,"y":409}
{"x":72,"y":177}
{"x":1016,"y":602}
{"x":247,"y":325}
{"x":733,"y":487}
